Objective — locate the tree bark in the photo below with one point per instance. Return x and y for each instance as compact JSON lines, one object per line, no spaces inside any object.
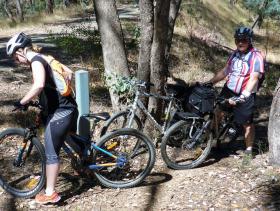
{"x":19,"y":11}
{"x":273,"y":128}
{"x":173,"y":13}
{"x":146,"y":40}
{"x":158,"y":76}
{"x":146,"y":30}
{"x":49,"y":6}
{"x":8,"y":11}
{"x":114,"y":55}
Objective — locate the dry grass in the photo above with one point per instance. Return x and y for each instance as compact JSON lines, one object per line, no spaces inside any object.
{"x":34,"y":22}
{"x":196,"y":58}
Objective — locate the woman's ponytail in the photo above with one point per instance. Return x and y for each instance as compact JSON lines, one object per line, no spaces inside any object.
{"x":36,"y":48}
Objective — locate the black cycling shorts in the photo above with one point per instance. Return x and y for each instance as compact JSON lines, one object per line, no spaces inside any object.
{"x":57,"y":127}
{"x":243,"y":112}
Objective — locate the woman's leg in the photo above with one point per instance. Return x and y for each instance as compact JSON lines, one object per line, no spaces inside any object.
{"x":56,"y":131}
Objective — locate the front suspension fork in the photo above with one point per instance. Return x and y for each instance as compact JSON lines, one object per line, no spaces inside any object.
{"x":21,"y":157}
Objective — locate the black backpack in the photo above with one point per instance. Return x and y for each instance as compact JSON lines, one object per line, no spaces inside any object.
{"x":201,"y":100}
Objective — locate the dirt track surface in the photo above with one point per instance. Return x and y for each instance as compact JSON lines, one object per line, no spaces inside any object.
{"x":222,"y":183}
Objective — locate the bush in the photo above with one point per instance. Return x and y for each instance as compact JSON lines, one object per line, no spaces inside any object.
{"x":79,"y":42}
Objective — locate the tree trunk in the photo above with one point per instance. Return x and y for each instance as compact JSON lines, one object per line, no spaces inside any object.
{"x":8,"y":11}
{"x":147,"y":27}
{"x":158,"y":76}
{"x":146,"y":40}
{"x":68,"y":2}
{"x":259,"y":18}
{"x":114,"y":55}
{"x":273,"y":128}
{"x":173,"y":13}
{"x":49,"y":6}
{"x":19,"y":11}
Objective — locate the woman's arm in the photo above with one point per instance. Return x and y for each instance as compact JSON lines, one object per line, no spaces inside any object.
{"x":39,"y":77}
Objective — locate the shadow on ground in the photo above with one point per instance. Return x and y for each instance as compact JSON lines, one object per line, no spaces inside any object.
{"x":8,"y":203}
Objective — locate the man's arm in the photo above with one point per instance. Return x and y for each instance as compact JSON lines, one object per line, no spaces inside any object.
{"x":252,"y":83}
{"x":219,"y":76}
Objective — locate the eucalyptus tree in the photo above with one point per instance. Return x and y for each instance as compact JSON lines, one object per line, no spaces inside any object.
{"x":112,"y":41}
{"x":49,"y":6}
{"x":270,"y":9}
{"x":19,"y":10}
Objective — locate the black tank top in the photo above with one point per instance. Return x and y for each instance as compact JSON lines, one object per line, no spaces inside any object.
{"x":50,"y":98}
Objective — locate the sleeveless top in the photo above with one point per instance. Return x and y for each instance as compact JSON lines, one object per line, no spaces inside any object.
{"x":50,"y":99}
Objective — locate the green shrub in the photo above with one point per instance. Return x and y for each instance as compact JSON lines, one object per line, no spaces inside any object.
{"x":79,"y":42}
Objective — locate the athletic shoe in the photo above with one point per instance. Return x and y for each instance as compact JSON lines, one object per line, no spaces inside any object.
{"x":42,"y":198}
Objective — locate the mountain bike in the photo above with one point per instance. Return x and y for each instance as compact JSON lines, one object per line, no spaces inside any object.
{"x":129,"y":118}
{"x":188,"y":142}
{"x":112,"y":159}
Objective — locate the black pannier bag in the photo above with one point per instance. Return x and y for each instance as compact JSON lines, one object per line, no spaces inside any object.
{"x":201,"y":100}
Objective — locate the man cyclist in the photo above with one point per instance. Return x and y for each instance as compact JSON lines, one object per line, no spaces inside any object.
{"x":243,"y":72}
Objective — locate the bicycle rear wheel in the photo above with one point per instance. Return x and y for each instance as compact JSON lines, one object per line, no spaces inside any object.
{"x":121,"y":120}
{"x":132,"y":164}
{"x":22,"y":171}
{"x":178,"y":149}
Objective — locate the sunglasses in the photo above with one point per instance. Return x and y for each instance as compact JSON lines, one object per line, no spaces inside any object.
{"x":16,"y":56}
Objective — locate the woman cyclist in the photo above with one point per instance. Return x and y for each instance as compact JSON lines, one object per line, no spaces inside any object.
{"x":59,"y":112}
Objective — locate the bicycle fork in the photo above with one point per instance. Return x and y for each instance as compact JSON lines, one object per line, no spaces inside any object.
{"x":20,"y":159}
{"x":196,"y":137}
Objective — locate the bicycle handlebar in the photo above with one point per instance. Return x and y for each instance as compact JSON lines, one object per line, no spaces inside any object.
{"x":34,"y":104}
{"x":145,"y":84}
{"x":221,"y":101}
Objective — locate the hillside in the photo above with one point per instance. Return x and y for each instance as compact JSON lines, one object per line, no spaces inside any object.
{"x":204,"y":36}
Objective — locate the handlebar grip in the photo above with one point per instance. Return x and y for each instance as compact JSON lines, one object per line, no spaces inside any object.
{"x":222,"y":101}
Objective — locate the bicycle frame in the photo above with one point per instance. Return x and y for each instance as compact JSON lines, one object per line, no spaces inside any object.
{"x":120,"y":161}
{"x":137,"y":103}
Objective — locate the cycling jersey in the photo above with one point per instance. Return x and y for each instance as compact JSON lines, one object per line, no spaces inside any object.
{"x":240,"y":67}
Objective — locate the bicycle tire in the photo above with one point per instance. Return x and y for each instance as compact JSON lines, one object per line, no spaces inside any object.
{"x":122,"y":138}
{"x":170,"y":149}
{"x":122,"y":115}
{"x":15,"y":184}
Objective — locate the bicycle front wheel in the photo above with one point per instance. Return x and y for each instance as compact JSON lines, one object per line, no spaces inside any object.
{"x":121,"y":120}
{"x":178,"y":149}
{"x":22,"y":163}
{"x":131,"y":164}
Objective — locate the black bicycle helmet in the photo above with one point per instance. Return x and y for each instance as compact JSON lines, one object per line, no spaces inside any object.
{"x":244,"y":33}
{"x":20,"y":40}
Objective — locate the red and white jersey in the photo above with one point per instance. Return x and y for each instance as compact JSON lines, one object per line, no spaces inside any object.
{"x":241,"y":66}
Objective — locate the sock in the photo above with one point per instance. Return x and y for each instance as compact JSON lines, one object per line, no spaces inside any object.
{"x":49,"y":191}
{"x":249,"y":148}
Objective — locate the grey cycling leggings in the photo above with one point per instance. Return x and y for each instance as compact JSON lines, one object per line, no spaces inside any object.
{"x":57,"y":127}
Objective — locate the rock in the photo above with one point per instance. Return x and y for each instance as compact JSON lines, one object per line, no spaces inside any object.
{"x":32,"y":205}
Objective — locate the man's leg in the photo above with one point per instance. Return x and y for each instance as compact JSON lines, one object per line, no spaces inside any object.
{"x":249,"y":136}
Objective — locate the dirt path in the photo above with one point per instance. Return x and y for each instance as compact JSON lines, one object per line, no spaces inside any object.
{"x":222,"y":183}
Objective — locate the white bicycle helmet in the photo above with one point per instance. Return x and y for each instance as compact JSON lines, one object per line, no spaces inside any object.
{"x":20,"y":40}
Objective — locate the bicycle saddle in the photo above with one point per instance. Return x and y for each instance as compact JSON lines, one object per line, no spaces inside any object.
{"x":186,"y":115}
